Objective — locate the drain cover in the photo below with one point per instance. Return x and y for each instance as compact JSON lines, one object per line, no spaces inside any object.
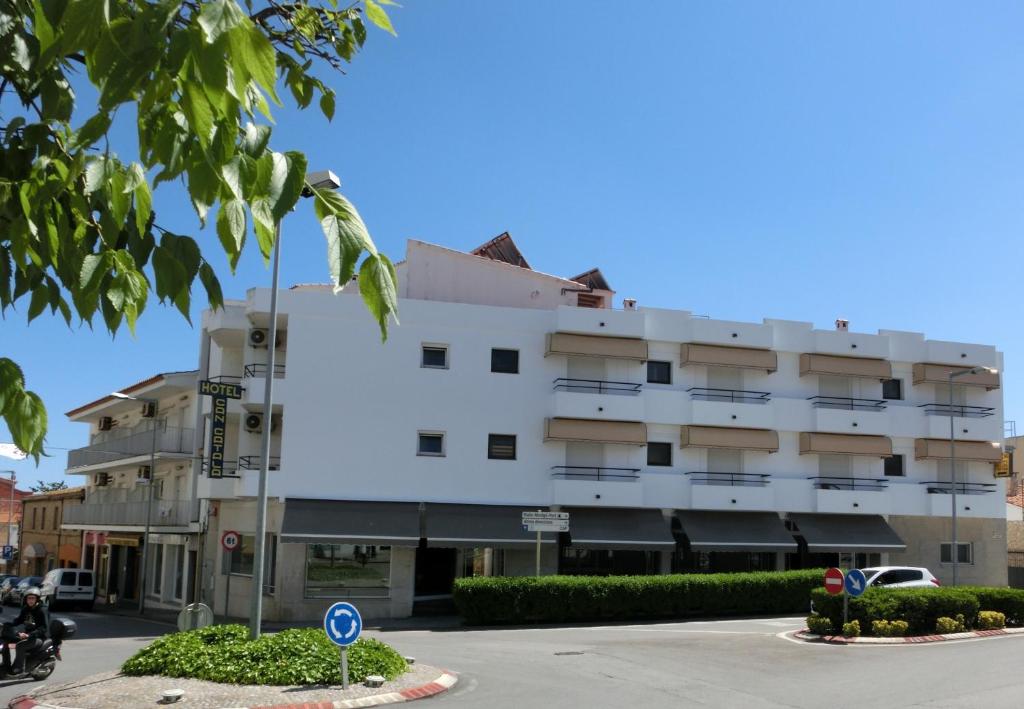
{"x":569,"y":652}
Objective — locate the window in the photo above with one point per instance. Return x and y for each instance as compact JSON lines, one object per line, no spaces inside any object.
{"x":894,"y":465}
{"x":56,"y":514}
{"x":965,"y":553}
{"x":34,"y":510}
{"x":505,"y":361}
{"x":430,"y":444}
{"x":892,"y":389}
{"x":347,"y":571}
{"x":179,"y":569}
{"x":43,"y":525}
{"x":240,"y":560}
{"x":659,"y":372}
{"x":68,"y":578}
{"x":501,"y":446}
{"x":659,"y":453}
{"x":434,"y":357}
{"x":897,"y":576}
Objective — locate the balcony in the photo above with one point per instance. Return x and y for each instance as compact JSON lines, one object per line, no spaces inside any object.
{"x":597,"y":386}
{"x":711,"y":490}
{"x":848,"y":495}
{"x":973,"y":499}
{"x":967,"y":412}
{"x":592,"y":486}
{"x":127,"y":508}
{"x":136,"y":443}
{"x":845,"y":403}
{"x":731,"y":396}
{"x":946,"y":488}
{"x":598,"y":399}
{"x":831,"y":482}
{"x":251,"y":371}
{"x":585,"y":472}
{"x":733,"y":479}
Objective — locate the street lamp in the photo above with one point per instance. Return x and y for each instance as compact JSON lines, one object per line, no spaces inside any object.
{"x":955,"y":551}
{"x":322,"y":180}
{"x":149,"y":500}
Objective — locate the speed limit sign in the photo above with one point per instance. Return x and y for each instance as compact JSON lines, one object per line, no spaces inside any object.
{"x":229,"y":540}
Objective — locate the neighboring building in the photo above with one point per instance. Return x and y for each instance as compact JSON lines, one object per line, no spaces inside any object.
{"x":116,"y":466}
{"x":45,"y":544}
{"x":675,"y":442}
{"x":10,"y":520}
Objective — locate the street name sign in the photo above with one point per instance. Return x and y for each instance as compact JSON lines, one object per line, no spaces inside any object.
{"x":856,"y":582}
{"x":834,"y":581}
{"x":546,"y":521}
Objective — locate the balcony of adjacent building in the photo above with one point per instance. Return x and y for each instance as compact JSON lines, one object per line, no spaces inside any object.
{"x":600,"y":462}
{"x":130,"y":447}
{"x":124,"y":508}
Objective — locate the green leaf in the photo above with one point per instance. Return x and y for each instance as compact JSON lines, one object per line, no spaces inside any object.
{"x":171,"y":279}
{"x":143,"y":205}
{"x":346,"y":234}
{"x":378,"y":286}
{"x":327,"y":104}
{"x":12,"y":382}
{"x":286,"y":182}
{"x":375,"y":13}
{"x":92,"y":130}
{"x":254,"y":140}
{"x":198,"y":111}
{"x":94,"y":267}
{"x":40,"y":298}
{"x":95,"y":174}
{"x":231,"y":229}
{"x":212,"y":286}
{"x":251,"y":49}
{"x":26,"y":420}
{"x":220,"y":16}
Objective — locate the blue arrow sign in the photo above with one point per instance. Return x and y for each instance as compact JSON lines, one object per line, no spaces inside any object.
{"x":343,"y":624}
{"x":856,"y":582}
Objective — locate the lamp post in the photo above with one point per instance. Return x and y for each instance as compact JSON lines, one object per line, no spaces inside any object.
{"x":955,"y":550}
{"x":149,"y":500}
{"x":326,"y":180}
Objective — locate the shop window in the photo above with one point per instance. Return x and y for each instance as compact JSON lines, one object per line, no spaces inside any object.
{"x":347,"y":571}
{"x":241,"y":560}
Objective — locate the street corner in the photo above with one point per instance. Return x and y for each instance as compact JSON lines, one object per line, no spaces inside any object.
{"x":807,"y":637}
{"x":116,"y":691}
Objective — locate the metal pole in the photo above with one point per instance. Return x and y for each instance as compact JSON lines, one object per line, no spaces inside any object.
{"x":149,"y":508}
{"x":344,"y":668}
{"x":955,"y":551}
{"x":10,"y":514}
{"x":256,"y":605}
{"x":846,"y":607}
{"x":227,"y":594}
{"x":538,"y":552}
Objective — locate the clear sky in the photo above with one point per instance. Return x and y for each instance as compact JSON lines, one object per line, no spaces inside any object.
{"x":799,"y":160}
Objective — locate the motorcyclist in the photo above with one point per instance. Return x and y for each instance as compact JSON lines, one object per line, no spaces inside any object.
{"x":31,"y":628}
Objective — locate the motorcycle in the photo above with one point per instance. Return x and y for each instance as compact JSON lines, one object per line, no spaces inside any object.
{"x":42,"y":661}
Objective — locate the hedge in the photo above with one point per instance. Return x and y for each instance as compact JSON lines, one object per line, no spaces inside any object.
{"x":559,"y":599}
{"x":224,"y":653}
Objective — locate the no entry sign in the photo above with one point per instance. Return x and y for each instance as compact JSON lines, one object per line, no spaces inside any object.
{"x":834,"y":580}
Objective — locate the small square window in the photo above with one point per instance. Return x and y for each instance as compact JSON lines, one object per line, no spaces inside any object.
{"x":659,"y":372}
{"x":892,"y":389}
{"x":430,"y":444}
{"x":965,"y":556}
{"x":434,"y":357}
{"x":501,"y":447}
{"x":505,"y":361}
{"x":659,"y":453}
{"x":894,"y":465}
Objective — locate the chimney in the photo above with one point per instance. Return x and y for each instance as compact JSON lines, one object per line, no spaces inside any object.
{"x":842,"y":325}
{"x":629,"y":303}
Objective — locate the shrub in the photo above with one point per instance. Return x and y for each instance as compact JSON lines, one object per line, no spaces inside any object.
{"x":991,"y":620}
{"x":1008,"y":601}
{"x":945,"y":625}
{"x":819,"y":625}
{"x":889,"y":628}
{"x":919,"y":607}
{"x":224,"y":653}
{"x":529,"y":599}
{"x":851,"y":629}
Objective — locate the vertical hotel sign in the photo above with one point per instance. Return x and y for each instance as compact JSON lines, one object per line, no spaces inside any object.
{"x":219,"y":393}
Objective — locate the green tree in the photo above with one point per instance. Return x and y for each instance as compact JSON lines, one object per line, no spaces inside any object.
{"x":43,"y":486}
{"x":78,"y":233}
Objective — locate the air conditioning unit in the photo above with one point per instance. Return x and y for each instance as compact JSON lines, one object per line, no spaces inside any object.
{"x":144,"y":473}
{"x":101,"y":479}
{"x":258,"y":337}
{"x":106,"y":423}
{"x":254,"y":422}
{"x":149,"y":410}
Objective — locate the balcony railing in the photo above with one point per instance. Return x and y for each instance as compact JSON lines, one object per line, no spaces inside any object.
{"x":260,"y":370}
{"x":585,"y":472}
{"x":733,"y":396}
{"x":967,"y":412}
{"x":165,"y":513}
{"x":136,"y":443}
{"x":252,"y":462}
{"x":832,"y":482}
{"x":597,"y":386}
{"x":946,"y":488}
{"x":846,"y":403}
{"x":730,"y":479}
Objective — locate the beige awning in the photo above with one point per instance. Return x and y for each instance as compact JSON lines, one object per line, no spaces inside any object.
{"x":926,"y":373}
{"x":752,"y":439}
{"x":936,"y":448}
{"x":563,"y":343}
{"x":718,"y":356}
{"x":845,"y":443}
{"x":838,"y":366}
{"x":632,"y":433}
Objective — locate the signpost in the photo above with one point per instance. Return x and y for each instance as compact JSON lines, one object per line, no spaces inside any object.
{"x":229,"y":541}
{"x":544,"y":521}
{"x":219,"y":392}
{"x":343,"y":624}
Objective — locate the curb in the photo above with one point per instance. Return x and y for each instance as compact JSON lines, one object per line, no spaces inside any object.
{"x":808,"y":636}
{"x":442,"y":684}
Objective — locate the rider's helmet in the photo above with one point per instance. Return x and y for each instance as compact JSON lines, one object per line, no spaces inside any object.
{"x":32,"y":591}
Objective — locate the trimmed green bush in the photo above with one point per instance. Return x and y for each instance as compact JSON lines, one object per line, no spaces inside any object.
{"x":224,"y":653}
{"x":558,"y":599}
{"x":991,"y":620}
{"x":819,"y":625}
{"x":919,"y":607}
{"x":851,"y":629}
{"x":889,"y":628}
{"x":946,"y":625}
{"x":1008,"y":601}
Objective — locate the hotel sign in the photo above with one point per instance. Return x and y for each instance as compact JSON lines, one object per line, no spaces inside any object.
{"x":219,"y":392}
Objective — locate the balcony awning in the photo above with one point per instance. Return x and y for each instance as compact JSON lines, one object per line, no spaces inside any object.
{"x":938,"y":448}
{"x":632,"y":433}
{"x":845,"y":443}
{"x":563,"y":343}
{"x":927,"y":373}
{"x":35,"y":550}
{"x":846,"y":533}
{"x":617,"y":528}
{"x":735,"y":531}
{"x":838,"y":366}
{"x":752,"y":439}
{"x":494,"y":526}
{"x":720,"y":356}
{"x":345,"y":522}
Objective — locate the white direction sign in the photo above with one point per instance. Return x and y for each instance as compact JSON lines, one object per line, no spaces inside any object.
{"x":546,"y":521}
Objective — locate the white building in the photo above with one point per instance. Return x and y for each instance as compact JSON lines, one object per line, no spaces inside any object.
{"x":674,"y":441}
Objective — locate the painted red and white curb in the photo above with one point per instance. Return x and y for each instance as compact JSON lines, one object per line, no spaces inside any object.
{"x":446,"y":681}
{"x":808,"y":636}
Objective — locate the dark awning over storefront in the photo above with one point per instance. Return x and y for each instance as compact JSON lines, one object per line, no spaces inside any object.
{"x":847,"y":533}
{"x":736,"y":531}
{"x":345,"y":522}
{"x":614,"y":528}
{"x":499,"y":527}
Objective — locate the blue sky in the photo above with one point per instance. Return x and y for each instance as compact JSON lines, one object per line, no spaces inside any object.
{"x":798,"y":160}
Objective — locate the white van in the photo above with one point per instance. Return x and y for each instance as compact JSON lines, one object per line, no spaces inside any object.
{"x":68,"y":587}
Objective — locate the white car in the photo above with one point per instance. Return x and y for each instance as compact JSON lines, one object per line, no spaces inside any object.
{"x":69,"y":587}
{"x":900,"y":577}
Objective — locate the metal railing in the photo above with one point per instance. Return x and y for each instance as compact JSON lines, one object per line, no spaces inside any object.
{"x":226,"y":378}
{"x":260,"y":370}
{"x":937,"y":487}
{"x":597,"y":386}
{"x":166,"y":513}
{"x":252,"y":462}
{"x":586,"y":472}
{"x":700,"y":477}
{"x":832,"y":482}
{"x":967,"y":412}
{"x":846,"y":403}
{"x":136,"y":443}
{"x":229,"y":467}
{"x":733,"y":396}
